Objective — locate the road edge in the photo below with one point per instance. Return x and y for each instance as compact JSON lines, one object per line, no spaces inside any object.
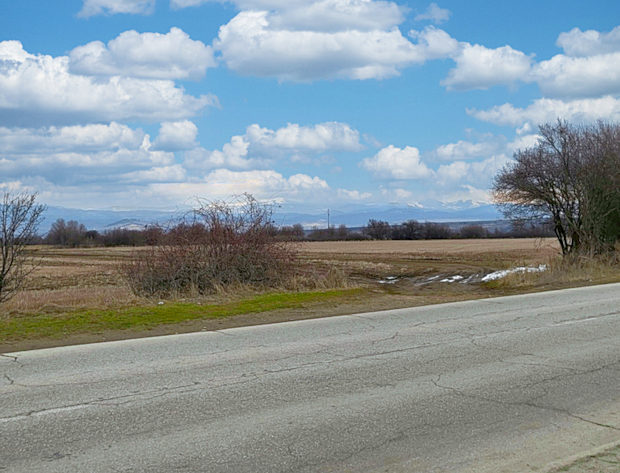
{"x":558,"y":465}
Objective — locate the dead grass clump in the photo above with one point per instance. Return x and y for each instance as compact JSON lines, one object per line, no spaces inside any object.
{"x":566,"y":270}
{"x":331,"y":277}
{"x":70,"y":298}
{"x":575,"y":268}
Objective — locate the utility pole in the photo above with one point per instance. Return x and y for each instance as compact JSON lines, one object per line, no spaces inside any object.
{"x":328,"y":219}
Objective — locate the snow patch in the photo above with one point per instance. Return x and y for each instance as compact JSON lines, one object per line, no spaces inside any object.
{"x":521,"y":269}
{"x":455,"y":278}
{"x":389,"y":280}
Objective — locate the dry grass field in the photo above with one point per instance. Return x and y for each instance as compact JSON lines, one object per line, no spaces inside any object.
{"x":77,"y":295}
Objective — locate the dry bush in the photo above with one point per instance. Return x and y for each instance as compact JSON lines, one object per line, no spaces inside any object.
{"x":220,"y":244}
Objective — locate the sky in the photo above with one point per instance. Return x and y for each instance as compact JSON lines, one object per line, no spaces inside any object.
{"x":150,"y":104}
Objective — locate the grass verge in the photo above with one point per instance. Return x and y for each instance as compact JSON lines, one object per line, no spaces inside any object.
{"x":147,"y":317}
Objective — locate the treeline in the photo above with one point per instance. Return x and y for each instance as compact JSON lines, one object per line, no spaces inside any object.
{"x":414,"y":230}
{"x":73,"y":234}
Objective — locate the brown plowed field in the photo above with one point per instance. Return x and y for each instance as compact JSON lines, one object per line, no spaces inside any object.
{"x":433,"y":246}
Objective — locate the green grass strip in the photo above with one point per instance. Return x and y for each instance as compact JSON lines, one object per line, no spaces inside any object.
{"x":146,"y":317}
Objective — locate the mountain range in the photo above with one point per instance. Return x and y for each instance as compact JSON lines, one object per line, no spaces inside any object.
{"x":351,"y":216}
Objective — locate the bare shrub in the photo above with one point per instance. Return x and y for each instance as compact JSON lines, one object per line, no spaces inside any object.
{"x":219,"y":245}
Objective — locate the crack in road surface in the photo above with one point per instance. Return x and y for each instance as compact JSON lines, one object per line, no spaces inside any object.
{"x":560,"y":410}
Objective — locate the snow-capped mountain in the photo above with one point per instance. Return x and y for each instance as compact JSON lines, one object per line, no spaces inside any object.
{"x":350,"y":215}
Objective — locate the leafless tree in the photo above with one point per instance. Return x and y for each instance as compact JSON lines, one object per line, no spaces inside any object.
{"x":71,"y":233}
{"x":20,"y":216}
{"x":570,"y":177}
{"x":378,"y":229}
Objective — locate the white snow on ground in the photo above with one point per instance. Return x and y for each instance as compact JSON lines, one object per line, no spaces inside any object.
{"x":521,"y":269}
{"x":456,"y":278}
{"x":389,"y":280}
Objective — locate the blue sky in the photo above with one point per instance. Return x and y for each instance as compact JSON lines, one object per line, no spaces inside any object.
{"x":140,"y":104}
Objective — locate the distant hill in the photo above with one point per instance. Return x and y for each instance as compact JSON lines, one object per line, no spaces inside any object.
{"x":359,"y":216}
{"x":350,"y":215}
{"x":106,"y":219}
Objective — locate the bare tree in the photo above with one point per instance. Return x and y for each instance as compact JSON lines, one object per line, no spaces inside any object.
{"x":71,"y":233}
{"x":20,"y":216}
{"x":571,"y":177}
{"x":378,"y":229}
{"x":600,"y":203}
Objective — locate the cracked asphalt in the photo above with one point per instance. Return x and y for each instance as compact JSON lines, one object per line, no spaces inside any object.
{"x":498,"y":385}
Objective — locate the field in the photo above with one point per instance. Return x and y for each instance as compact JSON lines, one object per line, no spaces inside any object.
{"x":78,"y":295}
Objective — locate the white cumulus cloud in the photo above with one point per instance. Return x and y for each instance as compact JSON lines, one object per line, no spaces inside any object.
{"x":329,"y":136}
{"x":111,"y":7}
{"x":523,"y":142}
{"x":176,"y":136}
{"x":78,"y":155}
{"x":479,"y":67}
{"x":435,"y":14}
{"x":319,"y":15}
{"x":78,"y":138}
{"x":479,"y":173}
{"x":589,"y":43}
{"x":262,"y":184}
{"x":309,"y":40}
{"x":466,"y":150}
{"x":260,"y":145}
{"x":396,"y":163}
{"x":173,"y":55}
{"x":334,"y":15}
{"x":434,"y":43}
{"x":353,"y":195}
{"x":173,"y":173}
{"x":564,"y":76}
{"x":232,"y":155}
{"x":40,"y":89}
{"x":251,"y":45}
{"x":546,"y":110}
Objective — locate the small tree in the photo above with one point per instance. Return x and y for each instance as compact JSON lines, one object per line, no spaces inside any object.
{"x":436,"y":231}
{"x":572,"y":177}
{"x":473,"y":231}
{"x":409,"y":230}
{"x":71,"y":233}
{"x":378,"y":229}
{"x":20,"y":216}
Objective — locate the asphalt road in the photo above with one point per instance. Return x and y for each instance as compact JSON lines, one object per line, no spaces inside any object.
{"x":497,"y":385}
